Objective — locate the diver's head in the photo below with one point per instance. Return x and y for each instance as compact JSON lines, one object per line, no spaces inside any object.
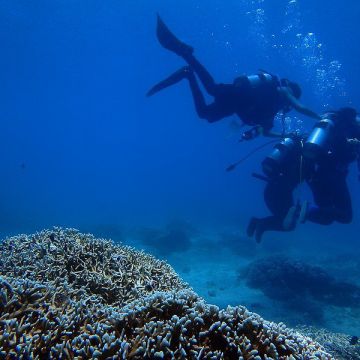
{"x":346,"y":120}
{"x":347,"y":114}
{"x":292,"y":86}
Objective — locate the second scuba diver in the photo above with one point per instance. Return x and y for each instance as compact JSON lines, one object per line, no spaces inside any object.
{"x":282,"y":176}
{"x":256,"y":99}
{"x":332,"y":159}
{"x":322,"y":160}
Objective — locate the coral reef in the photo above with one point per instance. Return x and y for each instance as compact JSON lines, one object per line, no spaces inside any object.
{"x":341,"y":346}
{"x":282,"y":278}
{"x":65,"y":295}
{"x":345,"y":264}
{"x":85,"y":266}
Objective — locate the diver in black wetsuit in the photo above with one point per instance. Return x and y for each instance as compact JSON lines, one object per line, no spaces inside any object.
{"x":283,"y":175}
{"x":256,"y":99}
{"x":278,"y":196}
{"x":323,"y":162}
{"x":328,"y":182}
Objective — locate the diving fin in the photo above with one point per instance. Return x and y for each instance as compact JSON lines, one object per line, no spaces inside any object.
{"x":169,"y":41}
{"x":174,"y":78}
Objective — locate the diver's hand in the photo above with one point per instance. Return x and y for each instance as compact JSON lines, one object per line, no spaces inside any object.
{"x":293,"y":135}
{"x":328,"y":115}
{"x":252,"y":133}
{"x":247,"y":135}
{"x":353,"y":141}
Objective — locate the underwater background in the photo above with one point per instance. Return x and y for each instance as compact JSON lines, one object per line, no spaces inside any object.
{"x":81,"y":146}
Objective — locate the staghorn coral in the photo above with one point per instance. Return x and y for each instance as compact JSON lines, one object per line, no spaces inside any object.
{"x":339,"y":345}
{"x":282,"y":278}
{"x":85,"y":266}
{"x":184,"y":326}
{"x":48,"y":314}
{"x":33,"y":324}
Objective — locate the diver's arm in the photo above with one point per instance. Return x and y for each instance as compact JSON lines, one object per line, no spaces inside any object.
{"x":274,"y":134}
{"x":353,"y":141}
{"x":355,"y":138}
{"x":269,"y":133}
{"x":298,"y":106}
{"x":258,"y":130}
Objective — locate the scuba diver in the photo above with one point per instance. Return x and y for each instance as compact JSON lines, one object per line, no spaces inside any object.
{"x":282,"y":175}
{"x":333,"y":145}
{"x":322,"y":160}
{"x":256,"y":99}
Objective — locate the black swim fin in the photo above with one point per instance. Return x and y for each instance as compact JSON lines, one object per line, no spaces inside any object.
{"x":174,"y":78}
{"x":169,"y":41}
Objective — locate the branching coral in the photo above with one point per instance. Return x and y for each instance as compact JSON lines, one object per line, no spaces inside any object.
{"x":183,"y":327}
{"x":340,"y":345}
{"x":85,"y":266}
{"x":282,"y":278}
{"x":55,"y":303}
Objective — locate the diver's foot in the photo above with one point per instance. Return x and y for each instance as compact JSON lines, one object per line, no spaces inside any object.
{"x":250,"y":230}
{"x":291,"y":218}
{"x":259,"y":232}
{"x":169,"y":41}
{"x":183,"y":73}
{"x":256,"y":227}
{"x":303,"y":212}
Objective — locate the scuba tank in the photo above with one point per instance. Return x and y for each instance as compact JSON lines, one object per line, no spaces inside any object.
{"x":257,"y":80}
{"x":318,"y":143}
{"x":283,"y":154}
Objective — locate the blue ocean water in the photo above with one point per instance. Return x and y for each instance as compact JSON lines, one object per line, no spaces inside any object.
{"x":83,"y":147}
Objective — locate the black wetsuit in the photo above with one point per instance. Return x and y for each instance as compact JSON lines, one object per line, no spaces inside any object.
{"x":278,"y":193}
{"x":328,"y":182}
{"x":255,"y":104}
{"x":255,"y":99}
{"x":326,"y":178}
{"x":278,"y":196}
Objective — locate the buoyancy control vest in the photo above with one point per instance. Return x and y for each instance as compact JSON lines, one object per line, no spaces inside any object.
{"x":263,"y":100}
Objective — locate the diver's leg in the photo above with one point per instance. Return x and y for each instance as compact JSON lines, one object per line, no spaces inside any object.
{"x":269,"y":223}
{"x":323,"y":211}
{"x":278,"y":198}
{"x":320,"y":215}
{"x":280,"y":201}
{"x":250,"y":230}
{"x":342,"y":201}
{"x":213,"y":112}
{"x":206,"y":79}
